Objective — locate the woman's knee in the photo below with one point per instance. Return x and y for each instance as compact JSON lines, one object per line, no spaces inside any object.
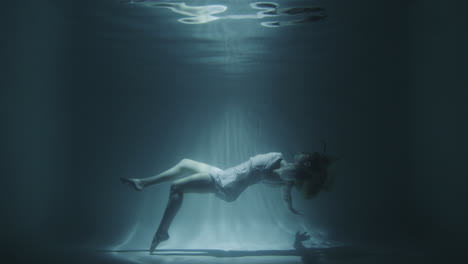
{"x":176,"y":188}
{"x":184,"y":162}
{"x":186,"y":165}
{"x":176,"y":194}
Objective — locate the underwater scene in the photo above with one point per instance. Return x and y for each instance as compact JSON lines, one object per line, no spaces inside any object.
{"x":233,"y":131}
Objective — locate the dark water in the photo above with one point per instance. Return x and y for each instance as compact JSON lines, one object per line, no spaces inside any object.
{"x":97,"y":90}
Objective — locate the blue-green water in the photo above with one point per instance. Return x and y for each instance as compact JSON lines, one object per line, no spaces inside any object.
{"x":97,"y":90}
{"x":225,"y":66}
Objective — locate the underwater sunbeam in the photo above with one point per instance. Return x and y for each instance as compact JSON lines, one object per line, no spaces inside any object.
{"x":254,"y":218}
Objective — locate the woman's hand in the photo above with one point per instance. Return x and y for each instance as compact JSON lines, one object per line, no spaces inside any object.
{"x":302,"y":236}
{"x":298,"y":242}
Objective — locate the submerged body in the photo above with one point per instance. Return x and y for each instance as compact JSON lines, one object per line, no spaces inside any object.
{"x":307,"y":174}
{"x":230,"y":183}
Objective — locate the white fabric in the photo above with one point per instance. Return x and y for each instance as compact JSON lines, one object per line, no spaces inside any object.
{"x":230,"y":183}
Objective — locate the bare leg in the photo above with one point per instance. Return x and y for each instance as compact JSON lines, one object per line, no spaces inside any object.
{"x":197,"y":183}
{"x":184,"y":167}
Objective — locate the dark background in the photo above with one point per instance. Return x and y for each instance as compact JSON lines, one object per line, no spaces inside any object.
{"x":394,"y":96}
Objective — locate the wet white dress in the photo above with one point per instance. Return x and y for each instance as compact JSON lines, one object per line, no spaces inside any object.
{"x":230,"y":183}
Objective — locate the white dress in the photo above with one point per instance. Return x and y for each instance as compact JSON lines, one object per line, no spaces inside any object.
{"x":230,"y":183}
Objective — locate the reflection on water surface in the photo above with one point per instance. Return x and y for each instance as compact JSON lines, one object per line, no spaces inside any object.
{"x":206,"y":13}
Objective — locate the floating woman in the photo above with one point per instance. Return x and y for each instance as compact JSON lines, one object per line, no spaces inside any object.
{"x":308,"y":174}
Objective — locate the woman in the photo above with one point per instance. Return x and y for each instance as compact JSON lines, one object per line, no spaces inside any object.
{"x":308,"y":173}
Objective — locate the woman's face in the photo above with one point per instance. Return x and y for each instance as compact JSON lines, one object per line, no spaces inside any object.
{"x":298,"y":157}
{"x":307,"y":160}
{"x":303,"y":156}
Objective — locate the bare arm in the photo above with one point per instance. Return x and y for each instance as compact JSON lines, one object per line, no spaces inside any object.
{"x":288,"y":199}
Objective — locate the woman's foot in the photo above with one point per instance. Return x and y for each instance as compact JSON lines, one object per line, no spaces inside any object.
{"x":158,"y":238}
{"x":135,"y":183}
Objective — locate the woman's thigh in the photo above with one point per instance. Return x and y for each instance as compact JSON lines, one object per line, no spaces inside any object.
{"x":195,"y":166}
{"x":196,"y":183}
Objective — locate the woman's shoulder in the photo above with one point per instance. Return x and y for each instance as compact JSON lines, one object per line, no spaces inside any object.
{"x":268,"y":157}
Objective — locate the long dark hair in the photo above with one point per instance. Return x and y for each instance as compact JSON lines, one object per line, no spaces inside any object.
{"x":312,"y":171}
